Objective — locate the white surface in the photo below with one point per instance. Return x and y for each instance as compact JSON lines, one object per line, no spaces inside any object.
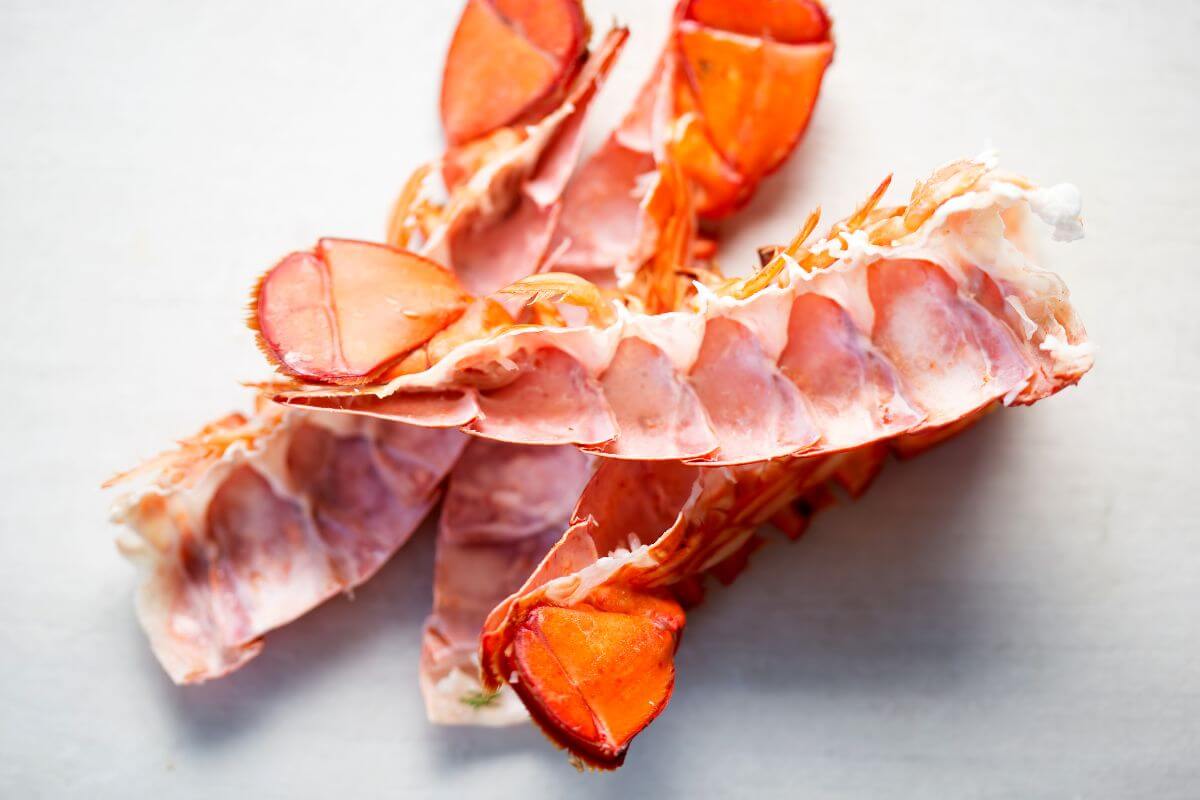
{"x":1013,"y":616}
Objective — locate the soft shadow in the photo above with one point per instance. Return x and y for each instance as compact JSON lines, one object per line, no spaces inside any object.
{"x":455,"y":748}
{"x":871,"y":603}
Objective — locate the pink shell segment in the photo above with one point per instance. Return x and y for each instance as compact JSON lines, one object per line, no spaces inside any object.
{"x":889,"y":340}
{"x":313,"y":508}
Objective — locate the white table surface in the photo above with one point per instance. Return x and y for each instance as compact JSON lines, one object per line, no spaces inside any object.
{"x":1014,"y":616}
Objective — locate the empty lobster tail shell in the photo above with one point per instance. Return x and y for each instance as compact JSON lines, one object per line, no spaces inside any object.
{"x":505,"y":506}
{"x":255,"y":521}
{"x":588,"y":642}
{"x":904,"y":323}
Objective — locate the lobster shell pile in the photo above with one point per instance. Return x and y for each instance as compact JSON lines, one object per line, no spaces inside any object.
{"x":551,"y":350}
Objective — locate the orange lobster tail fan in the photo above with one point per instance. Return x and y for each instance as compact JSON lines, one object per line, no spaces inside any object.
{"x":508,"y":58}
{"x":750,"y":73}
{"x":594,"y":676}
